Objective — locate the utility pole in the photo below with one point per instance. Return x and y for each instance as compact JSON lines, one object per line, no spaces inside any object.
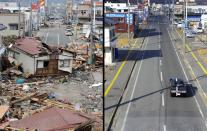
{"x":30,"y":23}
{"x":94,"y":15}
{"x":91,"y":50}
{"x":128,"y":24}
{"x":173,"y":9}
{"x":185,"y":15}
{"x":19,"y":21}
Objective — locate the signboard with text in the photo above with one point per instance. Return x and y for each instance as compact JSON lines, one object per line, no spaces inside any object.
{"x":129,"y":18}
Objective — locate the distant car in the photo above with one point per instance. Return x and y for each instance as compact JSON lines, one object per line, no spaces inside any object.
{"x":70,"y":28}
{"x":178,"y":87}
{"x":68,"y":33}
{"x":190,"y":34}
{"x":42,"y":24}
{"x":179,"y":25}
{"x":175,"y":23}
{"x":199,"y":30}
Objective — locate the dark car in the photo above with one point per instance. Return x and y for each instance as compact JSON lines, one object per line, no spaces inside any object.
{"x":178,"y":87}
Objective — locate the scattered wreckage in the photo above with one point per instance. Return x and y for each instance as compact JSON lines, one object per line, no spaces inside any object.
{"x":28,"y":69}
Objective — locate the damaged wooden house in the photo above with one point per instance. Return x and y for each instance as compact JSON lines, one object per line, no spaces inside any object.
{"x":39,"y":59}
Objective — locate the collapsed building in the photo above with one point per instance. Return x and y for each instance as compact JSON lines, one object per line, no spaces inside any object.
{"x":37,"y":58}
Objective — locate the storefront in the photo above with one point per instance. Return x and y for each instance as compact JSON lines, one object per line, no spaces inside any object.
{"x":194,"y":21}
{"x":122,"y":20}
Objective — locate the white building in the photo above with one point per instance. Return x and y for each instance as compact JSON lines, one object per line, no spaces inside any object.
{"x":197,"y":8}
{"x":120,"y":7}
{"x":37,"y":58}
{"x":11,"y":21}
{"x":8,"y":4}
{"x":204,"y":21}
{"x":109,"y":45}
{"x":13,"y":8}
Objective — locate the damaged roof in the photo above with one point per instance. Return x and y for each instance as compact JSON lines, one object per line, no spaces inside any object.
{"x":29,"y":45}
{"x":53,"y":118}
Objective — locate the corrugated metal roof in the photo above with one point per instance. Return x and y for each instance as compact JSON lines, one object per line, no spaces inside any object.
{"x":29,"y":45}
{"x":51,"y":119}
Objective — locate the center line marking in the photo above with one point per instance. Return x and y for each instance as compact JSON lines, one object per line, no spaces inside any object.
{"x":161,"y":78}
{"x":128,"y":107}
{"x":160,"y":62}
{"x":164,"y":127}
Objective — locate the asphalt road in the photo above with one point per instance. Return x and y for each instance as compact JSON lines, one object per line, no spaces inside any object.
{"x":54,"y":35}
{"x":147,"y":104}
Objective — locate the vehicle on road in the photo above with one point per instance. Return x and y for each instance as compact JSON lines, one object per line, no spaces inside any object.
{"x":68,"y":32}
{"x":190,"y":34}
{"x":199,"y":30}
{"x":178,"y":87}
{"x":179,"y":25}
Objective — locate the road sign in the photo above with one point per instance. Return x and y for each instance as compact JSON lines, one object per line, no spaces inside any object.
{"x":115,"y":15}
{"x":129,"y":18}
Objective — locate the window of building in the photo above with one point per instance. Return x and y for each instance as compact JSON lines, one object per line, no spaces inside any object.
{"x":121,"y":20}
{"x":64,"y":63}
{"x":45,"y":64}
{"x":98,"y":12}
{"x":39,"y":64}
{"x":83,"y":12}
{"x":42,"y":64}
{"x":13,"y":26}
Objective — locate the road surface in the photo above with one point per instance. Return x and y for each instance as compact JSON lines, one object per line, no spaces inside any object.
{"x":146,"y":104}
{"x":54,"y":35}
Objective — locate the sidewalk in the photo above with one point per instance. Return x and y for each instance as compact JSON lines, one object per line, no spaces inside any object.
{"x":116,"y":90}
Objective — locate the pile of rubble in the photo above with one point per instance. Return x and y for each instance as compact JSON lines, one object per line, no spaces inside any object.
{"x":81,"y":56}
{"x":26,"y":97}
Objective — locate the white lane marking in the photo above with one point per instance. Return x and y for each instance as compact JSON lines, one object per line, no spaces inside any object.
{"x":161,"y":77}
{"x":194,"y":74}
{"x":46,"y":37}
{"x":164,"y":127}
{"x":199,"y":108}
{"x":163,"y":100}
{"x":206,"y":123}
{"x":128,"y":107}
{"x":58,"y":39}
{"x":160,"y":62}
